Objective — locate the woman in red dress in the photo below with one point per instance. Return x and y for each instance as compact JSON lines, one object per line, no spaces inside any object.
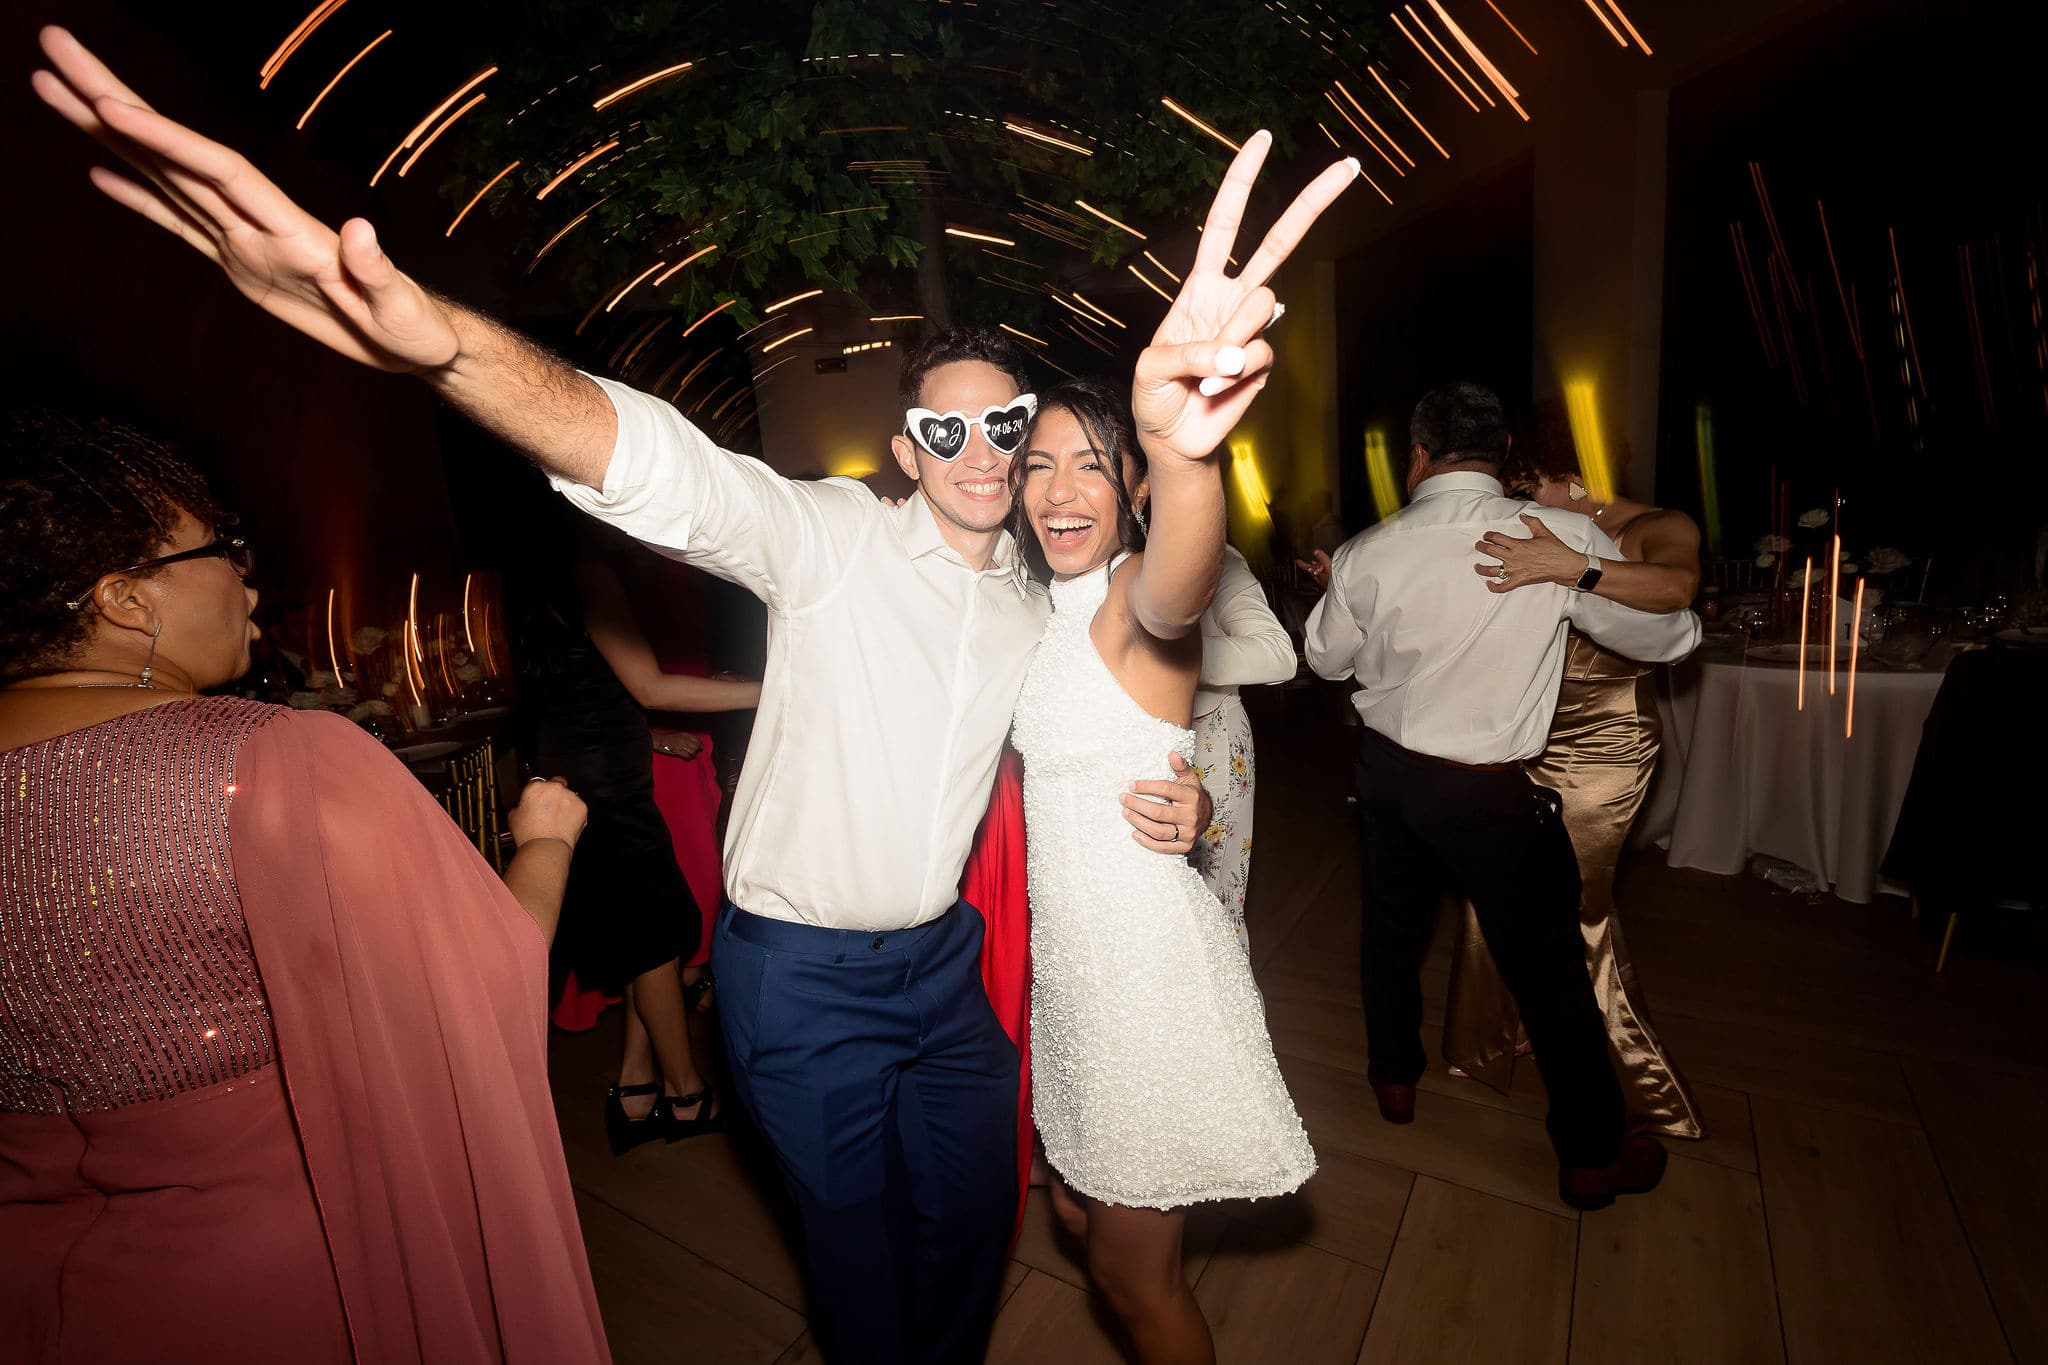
{"x":272,"y":1070}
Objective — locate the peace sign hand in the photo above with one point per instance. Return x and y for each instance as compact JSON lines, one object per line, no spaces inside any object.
{"x":338,"y":288}
{"x":1206,"y":362}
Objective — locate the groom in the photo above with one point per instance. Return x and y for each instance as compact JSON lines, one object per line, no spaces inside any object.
{"x":857,"y":1026}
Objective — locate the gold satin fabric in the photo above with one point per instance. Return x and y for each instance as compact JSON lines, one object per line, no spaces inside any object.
{"x":1599,"y":758}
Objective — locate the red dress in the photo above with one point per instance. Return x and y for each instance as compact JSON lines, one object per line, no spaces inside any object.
{"x":994,"y":883}
{"x":272,"y":1069}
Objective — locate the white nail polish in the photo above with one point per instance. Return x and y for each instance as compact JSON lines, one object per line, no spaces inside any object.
{"x":1356,"y":169}
{"x":1230,"y":360}
{"x":1213,"y":385}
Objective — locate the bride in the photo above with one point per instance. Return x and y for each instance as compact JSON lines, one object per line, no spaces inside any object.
{"x":1153,"y":1080}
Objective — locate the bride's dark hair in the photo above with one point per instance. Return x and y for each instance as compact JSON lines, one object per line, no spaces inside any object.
{"x":1105,"y":415}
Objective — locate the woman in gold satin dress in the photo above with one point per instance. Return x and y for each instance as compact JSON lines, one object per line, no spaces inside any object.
{"x":1600,"y":756}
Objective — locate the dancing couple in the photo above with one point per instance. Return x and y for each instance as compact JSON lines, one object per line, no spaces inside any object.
{"x":899,"y":641}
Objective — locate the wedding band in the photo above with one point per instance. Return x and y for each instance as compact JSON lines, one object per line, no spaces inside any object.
{"x":531,"y":780}
{"x":1502,"y":576}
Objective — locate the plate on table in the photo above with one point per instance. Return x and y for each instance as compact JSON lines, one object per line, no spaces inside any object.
{"x":1789,"y":654}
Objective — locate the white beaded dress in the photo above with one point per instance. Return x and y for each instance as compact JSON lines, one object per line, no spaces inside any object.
{"x":1153,"y":1082}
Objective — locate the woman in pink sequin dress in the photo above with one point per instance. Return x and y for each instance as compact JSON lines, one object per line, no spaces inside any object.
{"x":272,"y":1067}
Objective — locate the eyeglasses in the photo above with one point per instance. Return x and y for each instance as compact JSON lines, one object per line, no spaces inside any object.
{"x":233,"y":548}
{"x":944,"y":434}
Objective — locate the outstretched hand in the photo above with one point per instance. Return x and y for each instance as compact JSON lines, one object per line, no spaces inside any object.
{"x":338,"y":288}
{"x":1207,"y":362}
{"x":1539,"y":557}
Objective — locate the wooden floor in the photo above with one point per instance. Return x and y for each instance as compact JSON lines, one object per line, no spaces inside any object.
{"x":1871,"y":1188}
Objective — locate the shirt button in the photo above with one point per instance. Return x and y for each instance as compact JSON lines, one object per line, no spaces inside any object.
{"x":877,"y":944}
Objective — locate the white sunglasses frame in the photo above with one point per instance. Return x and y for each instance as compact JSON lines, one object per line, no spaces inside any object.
{"x":912,"y":417}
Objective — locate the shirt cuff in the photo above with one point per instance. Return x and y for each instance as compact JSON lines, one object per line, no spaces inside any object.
{"x":625,"y":475}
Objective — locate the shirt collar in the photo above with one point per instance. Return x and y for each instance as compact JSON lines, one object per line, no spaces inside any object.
{"x":917,"y":529}
{"x":1458,"y":481}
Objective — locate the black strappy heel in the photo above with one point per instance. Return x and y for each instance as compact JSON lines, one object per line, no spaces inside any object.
{"x":694,"y":992}
{"x":707,"y":1120}
{"x":625,"y":1132}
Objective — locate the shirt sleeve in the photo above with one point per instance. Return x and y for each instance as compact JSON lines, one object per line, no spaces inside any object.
{"x":670,"y":487}
{"x":1243,"y":642}
{"x":1649,"y":637}
{"x":1333,"y":638}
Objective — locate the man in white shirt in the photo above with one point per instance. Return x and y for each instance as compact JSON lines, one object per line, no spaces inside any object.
{"x":849,"y":983}
{"x":1457,"y":686}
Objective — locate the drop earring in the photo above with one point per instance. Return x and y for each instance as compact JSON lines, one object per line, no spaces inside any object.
{"x":1138,"y":515}
{"x":149,"y":663}
{"x":1577,"y":490}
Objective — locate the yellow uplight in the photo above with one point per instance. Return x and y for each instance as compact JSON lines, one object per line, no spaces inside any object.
{"x":1251,"y":492}
{"x":1379,"y":470}
{"x":1584,"y":414}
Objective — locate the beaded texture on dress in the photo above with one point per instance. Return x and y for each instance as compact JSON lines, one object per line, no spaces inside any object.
{"x":126,"y":972}
{"x":1153,"y":1078}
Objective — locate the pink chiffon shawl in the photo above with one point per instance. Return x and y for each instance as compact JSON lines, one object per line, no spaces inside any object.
{"x":406,"y":985}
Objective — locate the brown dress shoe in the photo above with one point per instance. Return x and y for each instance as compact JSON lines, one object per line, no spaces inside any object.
{"x":1636,"y":1171}
{"x":1397,"y":1102}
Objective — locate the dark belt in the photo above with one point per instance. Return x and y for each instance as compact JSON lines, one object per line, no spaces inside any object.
{"x":1405,"y":752}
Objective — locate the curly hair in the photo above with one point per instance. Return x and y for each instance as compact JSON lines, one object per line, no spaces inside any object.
{"x":1104,"y":413}
{"x":949,"y":344}
{"x":78,"y":499}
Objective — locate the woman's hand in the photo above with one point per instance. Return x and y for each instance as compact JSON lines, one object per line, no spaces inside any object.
{"x":1206,"y":362}
{"x":1167,"y":817}
{"x":678,"y":744}
{"x":1317,"y":569}
{"x":547,"y":809}
{"x":1540,"y":558}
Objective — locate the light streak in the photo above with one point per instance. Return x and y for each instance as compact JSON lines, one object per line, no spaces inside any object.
{"x":1710,"y":484}
{"x":1480,"y":59}
{"x":1330,"y":135}
{"x":695,"y":370}
{"x":773,"y":368}
{"x":1144,"y":280}
{"x":1345,"y":91}
{"x":708,"y":316}
{"x":573,"y":222}
{"x":971,"y":236}
{"x":801,"y":331}
{"x":1630,"y":27}
{"x":899,"y":317}
{"x":333,"y":654}
{"x":1113,"y":222}
{"x":1805,"y":604}
{"x":1379,"y":469}
{"x":443,"y":107}
{"x":698,"y":254}
{"x":1161,"y":266}
{"x":781,"y":304}
{"x":441,"y":651}
{"x":1199,"y":125}
{"x":320,"y":15}
{"x":1097,"y":308}
{"x":1047,"y":138}
{"x":1605,"y":23}
{"x":1404,"y":109}
{"x":631,"y":86}
{"x":1456,"y":65}
{"x":1460,"y":90}
{"x":1095,"y":341}
{"x":578,"y":164}
{"x":1364,"y":136}
{"x":479,"y":196}
{"x":1906,"y":312}
{"x":467,"y":638}
{"x":430,"y":138}
{"x":1582,"y":410}
{"x":1038,"y":341}
{"x":1512,"y":29}
{"x":412,"y":612}
{"x":1834,"y":588}
{"x":339,"y":74}
{"x":620,"y":297}
{"x":1855,"y":646}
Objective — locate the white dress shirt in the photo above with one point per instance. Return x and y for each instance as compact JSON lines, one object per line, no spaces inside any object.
{"x":1447,"y":666}
{"x":892,"y":671}
{"x":1243,"y":642}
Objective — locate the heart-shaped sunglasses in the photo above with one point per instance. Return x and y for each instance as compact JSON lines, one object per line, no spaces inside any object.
{"x":944,"y":434}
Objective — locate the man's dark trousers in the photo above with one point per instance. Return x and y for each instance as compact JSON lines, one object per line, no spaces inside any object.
{"x":1497,"y":838}
{"x":888,"y":1089}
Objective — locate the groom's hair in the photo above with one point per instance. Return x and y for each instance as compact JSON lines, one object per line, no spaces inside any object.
{"x":1460,"y":422}
{"x":949,"y":344}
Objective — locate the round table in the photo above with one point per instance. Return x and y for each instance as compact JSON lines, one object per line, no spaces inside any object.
{"x":1746,"y":770}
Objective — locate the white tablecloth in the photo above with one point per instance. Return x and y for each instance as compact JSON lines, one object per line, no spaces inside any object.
{"x":1745,"y":771}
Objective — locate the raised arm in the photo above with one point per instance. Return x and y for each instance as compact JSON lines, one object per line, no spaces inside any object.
{"x":1243,"y":642}
{"x":1652,"y":637}
{"x":1332,"y":639}
{"x":608,"y":619}
{"x":338,"y":288}
{"x":1194,"y":382}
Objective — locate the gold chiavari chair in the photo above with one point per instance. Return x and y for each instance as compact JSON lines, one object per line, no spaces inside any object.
{"x":472,"y":799}
{"x":1734,"y":575}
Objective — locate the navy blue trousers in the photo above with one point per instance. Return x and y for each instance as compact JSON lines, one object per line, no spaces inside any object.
{"x":888,"y":1090}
